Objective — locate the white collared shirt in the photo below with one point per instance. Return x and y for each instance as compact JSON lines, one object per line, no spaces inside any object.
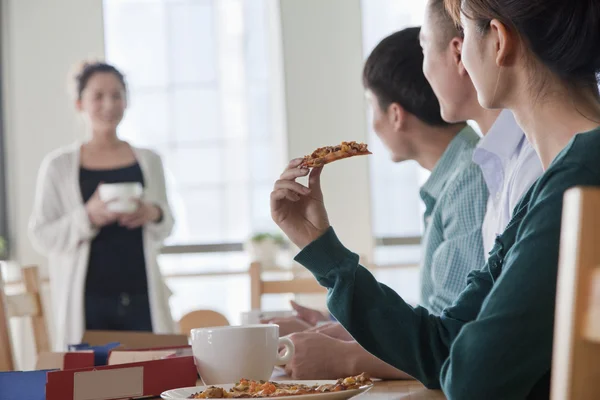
{"x":510,"y":166}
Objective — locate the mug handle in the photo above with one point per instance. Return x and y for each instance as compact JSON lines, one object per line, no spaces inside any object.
{"x":289,"y":351}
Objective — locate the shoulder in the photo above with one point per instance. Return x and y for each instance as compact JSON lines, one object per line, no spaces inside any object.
{"x":583,"y":150}
{"x":468,"y":180}
{"x":560,"y":177}
{"x":466,"y":193}
{"x":60,"y":159}
{"x":147,"y":154}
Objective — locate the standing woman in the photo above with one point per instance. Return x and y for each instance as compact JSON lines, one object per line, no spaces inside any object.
{"x":103,"y":265}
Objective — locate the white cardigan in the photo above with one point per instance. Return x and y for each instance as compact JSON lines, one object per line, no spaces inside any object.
{"x":60,"y":229}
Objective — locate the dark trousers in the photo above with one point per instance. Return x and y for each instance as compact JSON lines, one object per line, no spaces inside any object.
{"x":118,"y":312}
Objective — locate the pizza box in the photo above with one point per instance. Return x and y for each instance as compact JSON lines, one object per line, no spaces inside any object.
{"x":20,"y":385}
{"x":133,"y":380}
{"x":68,"y":360}
{"x":124,"y":356}
{"x":100,"y":352}
{"x":133,"y":340}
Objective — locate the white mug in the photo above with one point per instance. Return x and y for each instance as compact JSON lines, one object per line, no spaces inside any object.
{"x":120,"y":196}
{"x":227,"y":354}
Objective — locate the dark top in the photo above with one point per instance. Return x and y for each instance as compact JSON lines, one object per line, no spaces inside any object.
{"x":116,"y":263}
{"x":495,"y":341}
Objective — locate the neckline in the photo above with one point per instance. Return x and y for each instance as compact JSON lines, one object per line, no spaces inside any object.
{"x":128,"y":166}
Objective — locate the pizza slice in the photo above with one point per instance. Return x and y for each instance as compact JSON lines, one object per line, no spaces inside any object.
{"x":325,"y":155}
{"x":246,"y":389}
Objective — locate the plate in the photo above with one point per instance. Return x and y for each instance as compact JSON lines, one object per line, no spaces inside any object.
{"x":184,"y":393}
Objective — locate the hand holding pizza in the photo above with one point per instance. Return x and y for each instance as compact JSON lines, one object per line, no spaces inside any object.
{"x":299,"y":210}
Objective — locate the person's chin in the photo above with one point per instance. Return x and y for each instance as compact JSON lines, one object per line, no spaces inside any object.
{"x":107,"y":125}
{"x":398,"y":158}
{"x":449,"y":115}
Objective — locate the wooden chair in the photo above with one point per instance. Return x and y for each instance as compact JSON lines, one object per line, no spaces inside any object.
{"x":259,"y":287}
{"x":576,"y":355}
{"x":28,"y":304}
{"x":201,"y":319}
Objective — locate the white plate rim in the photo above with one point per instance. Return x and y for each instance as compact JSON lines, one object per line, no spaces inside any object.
{"x":352,"y":392}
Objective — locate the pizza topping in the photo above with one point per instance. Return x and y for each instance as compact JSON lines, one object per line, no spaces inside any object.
{"x":327,"y":154}
{"x":260,"y":389}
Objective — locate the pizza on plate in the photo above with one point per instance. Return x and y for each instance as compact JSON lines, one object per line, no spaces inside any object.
{"x":327,"y":154}
{"x":245,"y":388}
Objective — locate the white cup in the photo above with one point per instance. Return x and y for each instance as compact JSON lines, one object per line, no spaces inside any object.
{"x":120,"y":197}
{"x":227,"y":354}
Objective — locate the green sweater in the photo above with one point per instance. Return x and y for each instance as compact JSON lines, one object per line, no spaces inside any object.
{"x":495,"y":341}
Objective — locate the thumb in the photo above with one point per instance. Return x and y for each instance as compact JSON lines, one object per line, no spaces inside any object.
{"x":314,"y":182}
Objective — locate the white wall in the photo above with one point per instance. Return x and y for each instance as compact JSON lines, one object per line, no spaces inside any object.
{"x":325,"y":104}
{"x":42,"y":40}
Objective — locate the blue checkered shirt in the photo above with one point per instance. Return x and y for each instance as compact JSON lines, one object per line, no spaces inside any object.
{"x":455,"y":197}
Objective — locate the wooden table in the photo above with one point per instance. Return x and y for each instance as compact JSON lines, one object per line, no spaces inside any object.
{"x":406,"y":390}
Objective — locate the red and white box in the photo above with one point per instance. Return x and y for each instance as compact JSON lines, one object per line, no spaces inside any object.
{"x":122,"y":381}
{"x":68,"y":360}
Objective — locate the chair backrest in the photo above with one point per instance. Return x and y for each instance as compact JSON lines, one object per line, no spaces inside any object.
{"x":258,"y":287}
{"x":201,"y":319}
{"x":576,"y":354}
{"x":28,"y":304}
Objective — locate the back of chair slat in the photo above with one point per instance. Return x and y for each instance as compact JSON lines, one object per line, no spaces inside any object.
{"x":258,"y":287}
{"x":31,"y":278}
{"x":576,"y":355}
{"x":6,"y":356}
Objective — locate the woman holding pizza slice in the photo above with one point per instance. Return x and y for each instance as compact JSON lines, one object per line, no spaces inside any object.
{"x":538,"y":59}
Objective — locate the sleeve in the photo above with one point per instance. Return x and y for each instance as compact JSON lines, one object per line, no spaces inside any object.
{"x":517,"y":318}
{"x":52,"y":227}
{"x":463,"y":209}
{"x":161,"y":230}
{"x":410,"y":339}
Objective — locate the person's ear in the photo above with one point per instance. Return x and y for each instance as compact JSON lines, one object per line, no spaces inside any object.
{"x":456,"y":53}
{"x":397,"y":116}
{"x":505,"y":41}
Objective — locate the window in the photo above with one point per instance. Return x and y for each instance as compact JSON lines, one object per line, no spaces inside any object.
{"x":203,"y":95}
{"x":198,"y":72}
{"x":396,"y":205}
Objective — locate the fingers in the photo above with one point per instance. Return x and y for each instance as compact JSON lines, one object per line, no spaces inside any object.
{"x":289,"y":371}
{"x":133,"y":220}
{"x":282,"y":194}
{"x":295,"y":163}
{"x":294,"y":173}
{"x":297,"y":307}
{"x":292,"y":186}
{"x":132,"y":224}
{"x":314,"y":179}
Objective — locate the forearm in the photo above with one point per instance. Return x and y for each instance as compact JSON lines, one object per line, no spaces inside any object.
{"x":62,"y":234}
{"x":161,"y":226}
{"x":363,"y":361}
{"x":408,"y":338}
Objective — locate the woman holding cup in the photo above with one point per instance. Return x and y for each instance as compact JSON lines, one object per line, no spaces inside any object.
{"x":101,"y":236}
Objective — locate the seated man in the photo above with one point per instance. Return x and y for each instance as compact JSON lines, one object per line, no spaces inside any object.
{"x":406,"y":117}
